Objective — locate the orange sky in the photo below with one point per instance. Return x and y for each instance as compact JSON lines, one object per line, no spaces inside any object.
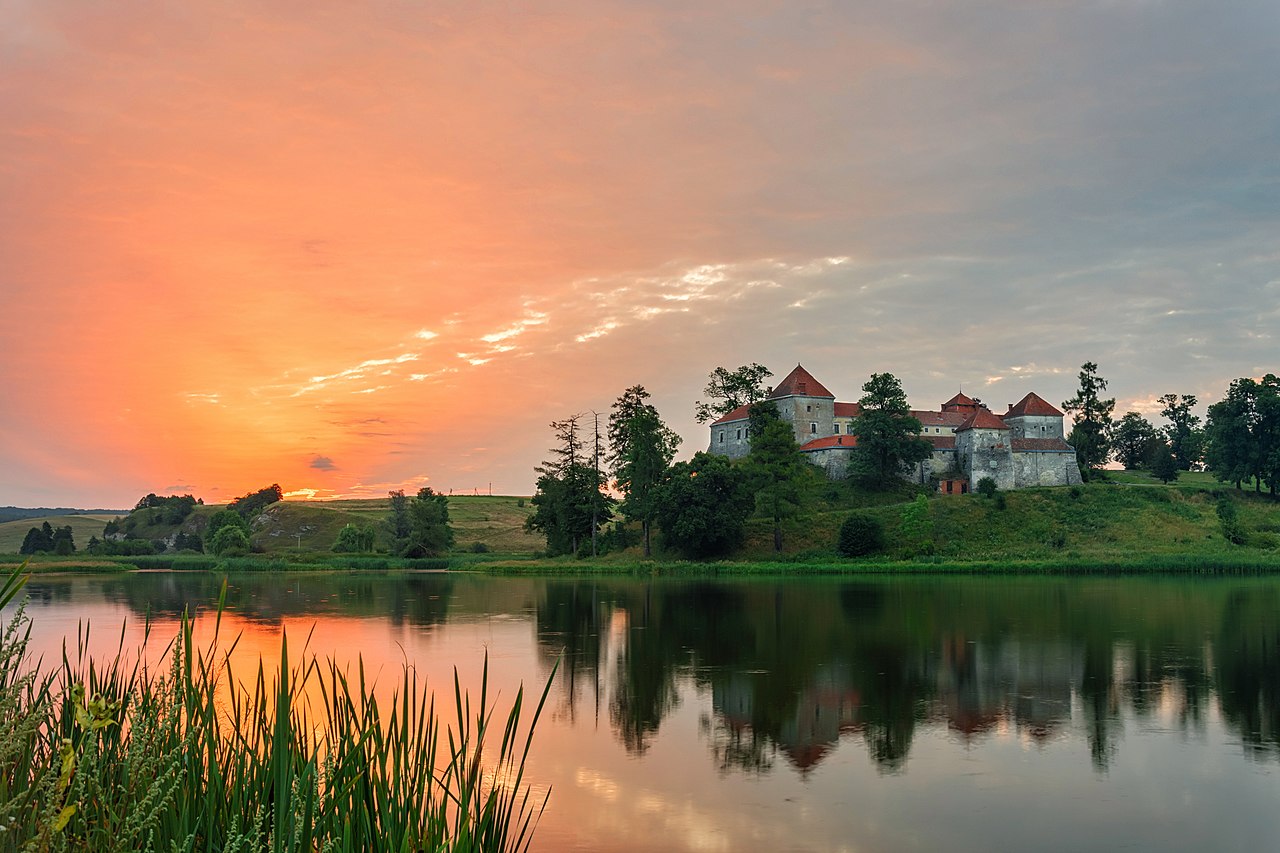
{"x":349,"y":248}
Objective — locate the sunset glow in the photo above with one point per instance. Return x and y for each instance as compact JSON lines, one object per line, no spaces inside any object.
{"x":350,"y":248}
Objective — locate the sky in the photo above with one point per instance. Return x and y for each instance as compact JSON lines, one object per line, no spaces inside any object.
{"x":351,"y":247}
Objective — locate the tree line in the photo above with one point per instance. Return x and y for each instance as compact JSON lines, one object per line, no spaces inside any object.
{"x":1238,"y":441}
{"x":701,"y":506}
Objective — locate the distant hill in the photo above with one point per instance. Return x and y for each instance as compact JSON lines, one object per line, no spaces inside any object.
{"x":17,"y":513}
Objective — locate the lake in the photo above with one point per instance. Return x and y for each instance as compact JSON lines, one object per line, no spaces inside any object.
{"x":823,"y":714}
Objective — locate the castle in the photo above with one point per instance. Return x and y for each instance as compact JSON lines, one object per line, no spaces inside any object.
{"x":1023,"y":447}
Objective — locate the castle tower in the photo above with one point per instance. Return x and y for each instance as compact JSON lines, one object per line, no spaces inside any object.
{"x":806,"y":404}
{"x":1032,"y":417}
{"x":984,"y":449}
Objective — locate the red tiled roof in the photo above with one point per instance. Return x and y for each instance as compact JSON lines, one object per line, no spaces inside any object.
{"x":961,"y":400}
{"x":801,"y":382}
{"x":941,"y":442}
{"x":1040,"y":444}
{"x":848,"y":410}
{"x":846,"y":441}
{"x":738,"y":414}
{"x":981,"y":419}
{"x":939,"y":418}
{"x":1032,"y":404}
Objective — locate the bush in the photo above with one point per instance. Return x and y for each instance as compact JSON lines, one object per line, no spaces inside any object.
{"x":987,"y":487}
{"x":860,"y":535}
{"x":479,"y":548}
{"x":1232,"y":529}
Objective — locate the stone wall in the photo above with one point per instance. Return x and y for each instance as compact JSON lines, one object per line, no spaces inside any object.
{"x":730,"y":439}
{"x":1045,"y":468}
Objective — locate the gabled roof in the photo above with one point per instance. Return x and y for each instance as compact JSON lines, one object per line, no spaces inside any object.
{"x":961,"y":400}
{"x":982,"y":419}
{"x":800,"y":382}
{"x":929,"y":419}
{"x":848,"y":410}
{"x":739,"y":414}
{"x":1032,"y":404}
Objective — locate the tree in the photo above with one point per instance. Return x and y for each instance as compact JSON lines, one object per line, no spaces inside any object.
{"x":429,"y":531}
{"x":1164,"y":466}
{"x":917,"y":526}
{"x":776,"y":471}
{"x":1243,"y":434}
{"x":568,"y":503}
{"x":703,"y":506}
{"x":860,"y":535}
{"x":1182,"y":432}
{"x":398,"y":520}
{"x":888,"y":436}
{"x":229,"y":540}
{"x":355,"y":539}
{"x":728,"y":390}
{"x":63,"y":541}
{"x":38,"y":540}
{"x":253,"y":503}
{"x":641,"y":448}
{"x":1092,"y":419}
{"x":225,"y":518}
{"x":1133,"y":439}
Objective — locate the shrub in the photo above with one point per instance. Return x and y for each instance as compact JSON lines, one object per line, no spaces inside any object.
{"x":479,"y":548}
{"x":987,"y":487}
{"x":860,"y":535}
{"x":1232,"y":529}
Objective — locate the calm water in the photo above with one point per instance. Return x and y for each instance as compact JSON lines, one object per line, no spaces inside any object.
{"x":870,"y":715}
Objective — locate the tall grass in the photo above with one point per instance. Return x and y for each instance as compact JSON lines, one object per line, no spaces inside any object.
{"x":108,"y":755}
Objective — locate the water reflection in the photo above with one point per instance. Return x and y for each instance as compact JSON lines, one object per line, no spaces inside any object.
{"x":752,"y":683}
{"x":794,"y":668}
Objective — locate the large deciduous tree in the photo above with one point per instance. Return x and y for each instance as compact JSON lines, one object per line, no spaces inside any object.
{"x":429,"y":532}
{"x":703,"y":506}
{"x":1243,"y":434}
{"x":641,"y":448}
{"x":1092,"y":419}
{"x":1184,"y":438}
{"x":568,"y":504}
{"x":1133,"y":440}
{"x":888,"y":436}
{"x":727,"y":390}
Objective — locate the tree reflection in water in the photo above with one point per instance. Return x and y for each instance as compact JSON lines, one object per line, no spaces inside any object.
{"x":788,"y":670}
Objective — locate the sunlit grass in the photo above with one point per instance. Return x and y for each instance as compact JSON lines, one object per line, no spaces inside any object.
{"x":109,"y":755}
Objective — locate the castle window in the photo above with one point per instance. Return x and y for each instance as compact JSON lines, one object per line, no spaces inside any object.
{"x":813,"y":429}
{"x":808,"y":408}
{"x":837,"y":427}
{"x":722,"y":436}
{"x":739,"y":434}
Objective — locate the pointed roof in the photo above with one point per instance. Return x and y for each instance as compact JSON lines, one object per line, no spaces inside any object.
{"x":1032,"y":404}
{"x":800,"y":382}
{"x":982,"y":419}
{"x":739,"y":414}
{"x":961,"y":400}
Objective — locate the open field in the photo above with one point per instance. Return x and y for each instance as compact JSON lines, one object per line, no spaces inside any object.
{"x":82,"y":527}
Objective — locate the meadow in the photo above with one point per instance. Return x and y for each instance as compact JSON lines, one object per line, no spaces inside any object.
{"x":1130,"y":521}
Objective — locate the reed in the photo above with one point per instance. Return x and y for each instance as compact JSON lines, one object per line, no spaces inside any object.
{"x":112,"y":755}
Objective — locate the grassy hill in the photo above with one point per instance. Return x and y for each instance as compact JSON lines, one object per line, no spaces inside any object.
{"x":497,"y":522}
{"x":1097,"y":522}
{"x":1130,"y":518}
{"x":82,"y":527}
